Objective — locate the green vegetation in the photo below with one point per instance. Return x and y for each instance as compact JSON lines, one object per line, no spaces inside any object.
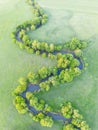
{"x":82,"y":91}
{"x":67,"y":63}
{"x":77,"y":119}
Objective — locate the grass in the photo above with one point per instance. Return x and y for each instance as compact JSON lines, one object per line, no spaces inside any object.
{"x":65,"y":21}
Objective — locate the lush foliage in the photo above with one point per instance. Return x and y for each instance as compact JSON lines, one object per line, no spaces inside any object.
{"x":66,"y":68}
{"x":77,"y":121}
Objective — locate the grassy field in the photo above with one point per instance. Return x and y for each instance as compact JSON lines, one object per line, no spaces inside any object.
{"x":66,"y":19}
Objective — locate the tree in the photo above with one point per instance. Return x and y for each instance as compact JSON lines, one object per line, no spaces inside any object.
{"x":22,"y":81}
{"x":58,"y":47}
{"x":76,"y":71}
{"x":44,"y":54}
{"x":21,"y":33}
{"x":67,"y":77}
{"x":21,"y":45}
{"x":33,"y":101}
{"x":46,"y":47}
{"x":74,"y":43}
{"x":19,"y":89}
{"x":35,"y":44}
{"x":51,"y":56}
{"x":51,"y":47}
{"x":69,"y":57}
{"x":20,"y":105}
{"x":76,"y":118}
{"x":69,"y":127}
{"x":37,"y":52}
{"x":33,"y":27}
{"x":43,"y":72}
{"x":44,"y":86}
{"x":33,"y":77}
{"x":39,"y":106}
{"x":74,"y":63}
{"x":47,"y":108}
{"x":84,"y":126}
{"x":78,"y":52}
{"x":53,"y":81}
{"x":62,"y":61}
{"x":67,"y":110}
{"x":47,"y":121}
{"x":25,"y":38}
{"x":44,"y":20}
{"x":28,"y":95}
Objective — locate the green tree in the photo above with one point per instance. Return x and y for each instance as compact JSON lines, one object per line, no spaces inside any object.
{"x":19,"y":89}
{"x":74,"y":63}
{"x":28,"y":95}
{"x":33,"y":27}
{"x":47,"y":121}
{"x":67,"y":110}
{"x":69,"y":127}
{"x":22,"y":81}
{"x":51,"y":47}
{"x":20,"y":105}
{"x":43,"y":72}
{"x":78,"y":52}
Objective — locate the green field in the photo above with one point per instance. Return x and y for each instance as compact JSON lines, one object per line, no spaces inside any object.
{"x":66,"y":19}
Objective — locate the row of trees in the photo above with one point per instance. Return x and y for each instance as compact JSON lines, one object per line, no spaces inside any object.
{"x":44,"y":46}
{"x":39,"y":105}
{"x":20,"y":36}
{"x":77,"y":121}
{"x":43,"y":119}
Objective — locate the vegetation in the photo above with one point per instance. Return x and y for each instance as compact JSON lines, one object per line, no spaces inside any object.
{"x":47,"y":121}
{"x":77,"y":119}
{"x":66,"y":68}
{"x":69,"y":127}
